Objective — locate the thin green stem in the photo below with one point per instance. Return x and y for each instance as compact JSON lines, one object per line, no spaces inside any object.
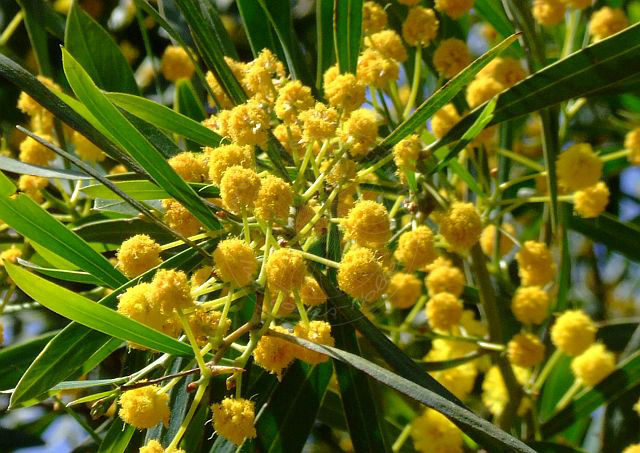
{"x":192,"y":340}
{"x":401,"y":439}
{"x":11,"y":28}
{"x":192,"y":410}
{"x":319,"y":259}
{"x":417,"y":68}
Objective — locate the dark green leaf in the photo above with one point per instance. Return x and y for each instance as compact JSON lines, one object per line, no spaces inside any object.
{"x":66,"y":275}
{"x":608,"y":230}
{"x":347,"y":33}
{"x":260,"y":33}
{"x":144,"y":190}
{"x":34,"y":19}
{"x":187,"y":102}
{"x":324,"y":28}
{"x":15,"y":166}
{"x":116,"y":231}
{"x":117,"y":438}
{"x":16,"y":358}
{"x":15,"y":439}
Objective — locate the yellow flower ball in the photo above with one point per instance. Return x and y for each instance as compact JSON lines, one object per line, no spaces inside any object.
{"x":204,"y":325}
{"x":144,"y":407}
{"x":304,"y":216}
{"x":445,"y":279}
{"x":525,"y":350}
{"x":548,"y":12}
{"x":28,"y":105}
{"x":451,"y":57}
{"x":223,"y":101}
{"x":318,"y":332}
{"x":578,"y":167}
{"x":535,"y":264}
{"x":593,"y":365}
{"x":248,"y":124}
{"x":459,"y":380}
{"x":494,"y":392}
{"x":444,"y":311}
{"x":175,"y":64}
{"x":189,"y":166}
{"x":634,"y":448}
{"x":416,"y":248}
{"x":404,"y":290}
{"x":368,"y":224}
{"x":319,"y":123}
{"x":359,"y":132}
{"x":592,"y":201}
{"x":233,"y":419}
{"x":376,"y":70}
{"x":274,"y":199}
{"x":374,"y":18}
{"x":530,"y":305}
{"x":461,"y":226}
{"x":225,"y":157}
{"x":420,"y":27}
{"x":443,"y":120}
{"x":155,"y":447}
{"x":407,"y":151}
{"x":293,"y":99}
{"x":606,"y":22}
{"x":32,"y":186}
{"x":345,"y":92}
{"x":170,"y":290}
{"x":342,"y":171}
{"x":433,"y":432}
{"x":274,"y":354}
{"x":488,"y":239}
{"x":506,"y":71}
{"x":481,"y":90}
{"x":180,"y":218}
{"x":235,"y":261}
{"x":632,"y":143}
{"x":361,"y":275}
{"x":573,"y":332}
{"x":138,"y":254}
{"x":85,"y":149}
{"x":389,"y":44}
{"x":10,"y":255}
{"x":286,"y":270}
{"x":290,"y":137}
{"x":311,"y":293}
{"x":239,"y":188}
{"x":32,"y":152}
{"x":454,"y":8}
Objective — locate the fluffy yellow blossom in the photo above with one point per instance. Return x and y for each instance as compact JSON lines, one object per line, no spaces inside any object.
{"x":32,"y":186}
{"x":389,"y":44}
{"x":451,"y":57}
{"x":443,"y":120}
{"x":304,"y":216}
{"x":248,"y":124}
{"x":632,"y":143}
{"x":293,"y":99}
{"x":204,"y":324}
{"x":342,"y":171}
{"x":420,"y":27}
{"x":416,"y":248}
{"x":286,"y":270}
{"x":359,"y":132}
{"x":433,"y":432}
{"x":273,"y":200}
{"x":171,"y":290}
{"x":233,"y":419}
{"x":189,"y":166}
{"x":28,"y":105}
{"x":481,"y":90}
{"x":222,"y":99}
{"x":444,"y":311}
{"x":606,"y":22}
{"x":535,"y":264}
{"x":180,"y":218}
{"x":368,"y":224}
{"x":461,"y":226}
{"x":239,"y":188}
{"x":311,"y":293}
{"x":525,"y":350}
{"x":505,"y":70}
{"x":590,"y":202}
{"x":144,"y":407}
{"x":274,"y":354}
{"x":376,"y":70}
{"x":226,"y":156}
{"x":319,"y":123}
{"x":361,"y":275}
{"x":548,"y":12}
{"x":593,"y":365}
{"x":290,"y":137}
{"x":488,"y":239}
{"x":155,"y":447}
{"x":138,"y":254}
{"x":374,"y":18}
{"x":458,"y":380}
{"x":578,"y":167}
{"x":445,"y":279}
{"x":530,"y":305}
{"x":403,"y":290}
{"x":407,"y":151}
{"x":10,"y":255}
{"x":235,"y":261}
{"x":345,"y":92}
{"x":175,"y":64}
{"x":494,"y":392}
{"x":454,"y":8}
{"x":318,"y":332}
{"x":85,"y":149}
{"x":573,"y":332}
{"x":32,"y":152}
{"x":633,"y":448}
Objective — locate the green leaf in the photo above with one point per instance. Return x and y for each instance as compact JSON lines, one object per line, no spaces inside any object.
{"x":76,"y":344}
{"x":260,"y":33}
{"x":34,"y":20}
{"x":443,"y":96}
{"x":347,"y":33}
{"x":492,"y":12}
{"x":66,"y":275}
{"x":26,"y":217}
{"x":285,"y":423}
{"x":608,"y":230}
{"x":603,"y":64}
{"x":187,"y":102}
{"x":97,"y":52}
{"x":16,"y":358}
{"x":116,"y":231}
{"x":479,"y":429}
{"x":326,"y":54}
{"x":15,"y":166}
{"x":163,"y":117}
{"x":144,"y":190}
{"x":78,"y":308}
{"x":135,"y":143}
{"x":624,"y":378}
{"x":118,"y":437}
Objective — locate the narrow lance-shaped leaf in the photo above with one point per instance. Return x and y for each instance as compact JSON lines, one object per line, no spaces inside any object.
{"x":347,"y":33}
